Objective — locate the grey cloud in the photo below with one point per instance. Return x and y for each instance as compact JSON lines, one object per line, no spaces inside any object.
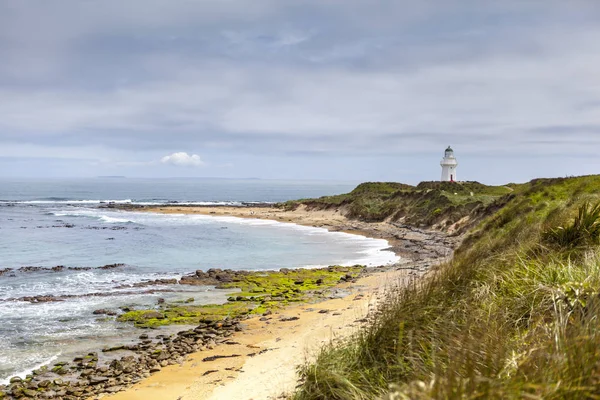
{"x":561,"y":130}
{"x":313,"y":78}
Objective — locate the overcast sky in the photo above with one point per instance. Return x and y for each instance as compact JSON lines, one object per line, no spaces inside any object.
{"x":308,"y":89}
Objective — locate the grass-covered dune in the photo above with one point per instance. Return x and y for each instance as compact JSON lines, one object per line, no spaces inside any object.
{"x":515,"y":314}
{"x":439,"y":205}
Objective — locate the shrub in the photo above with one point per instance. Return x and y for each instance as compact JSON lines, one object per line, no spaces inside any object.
{"x":584,"y":231}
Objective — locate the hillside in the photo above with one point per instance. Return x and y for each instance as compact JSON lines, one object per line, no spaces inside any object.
{"x":444,"y":206}
{"x":515,"y":314}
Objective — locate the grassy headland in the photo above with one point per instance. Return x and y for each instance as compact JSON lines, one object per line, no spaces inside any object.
{"x":439,"y":205}
{"x":515,"y":314}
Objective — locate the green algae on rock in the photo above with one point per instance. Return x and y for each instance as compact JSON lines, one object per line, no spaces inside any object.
{"x":260,"y":291}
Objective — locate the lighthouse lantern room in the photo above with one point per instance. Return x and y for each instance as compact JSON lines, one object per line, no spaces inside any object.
{"x":449,"y":165}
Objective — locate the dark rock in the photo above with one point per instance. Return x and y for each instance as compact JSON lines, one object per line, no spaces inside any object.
{"x":104,"y":311}
{"x":153,"y":314}
{"x":94,"y":380}
{"x":213,"y":358}
{"x":50,"y":394}
{"x":113,"y":389}
{"x":30,"y":392}
{"x":114,"y":348}
{"x":44,"y":383}
{"x":111,"y":266}
{"x":40,"y":299}
{"x":211,"y":371}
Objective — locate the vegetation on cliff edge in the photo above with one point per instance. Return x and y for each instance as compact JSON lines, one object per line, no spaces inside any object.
{"x":515,"y":314}
{"x":437,"y":205}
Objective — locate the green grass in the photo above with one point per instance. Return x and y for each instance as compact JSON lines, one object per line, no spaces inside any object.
{"x":514,"y":315}
{"x":429,"y":204}
{"x":583,"y":231}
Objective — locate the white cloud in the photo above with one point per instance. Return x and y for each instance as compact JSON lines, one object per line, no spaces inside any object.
{"x":183,"y":159}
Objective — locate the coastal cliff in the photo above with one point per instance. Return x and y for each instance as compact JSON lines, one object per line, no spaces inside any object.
{"x":451,"y":207}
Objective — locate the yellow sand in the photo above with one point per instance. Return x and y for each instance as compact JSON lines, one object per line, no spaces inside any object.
{"x":266,"y":375}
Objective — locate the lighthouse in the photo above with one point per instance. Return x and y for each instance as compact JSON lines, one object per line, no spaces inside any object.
{"x":449,"y":165}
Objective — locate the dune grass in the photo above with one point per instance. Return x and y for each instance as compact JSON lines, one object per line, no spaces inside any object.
{"x":514,"y":315}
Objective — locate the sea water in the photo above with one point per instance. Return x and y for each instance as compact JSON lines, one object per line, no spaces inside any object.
{"x":62,"y":223}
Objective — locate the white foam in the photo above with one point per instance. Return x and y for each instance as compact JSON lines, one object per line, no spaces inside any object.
{"x":374,"y":255}
{"x":190,"y":203}
{"x":93,"y":213}
{"x":81,"y":283}
{"x":26,"y":372}
{"x":130,"y":201}
{"x":113,"y":220}
{"x":126,"y":201}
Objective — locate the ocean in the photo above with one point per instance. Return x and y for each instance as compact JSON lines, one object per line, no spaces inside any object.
{"x":55,"y":236}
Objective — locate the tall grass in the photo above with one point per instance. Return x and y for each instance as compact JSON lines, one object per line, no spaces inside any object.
{"x":514,"y":315}
{"x":583,"y":231}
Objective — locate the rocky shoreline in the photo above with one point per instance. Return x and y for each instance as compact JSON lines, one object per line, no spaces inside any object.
{"x":116,"y":368}
{"x":86,"y":377}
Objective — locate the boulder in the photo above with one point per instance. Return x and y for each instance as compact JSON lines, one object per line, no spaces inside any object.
{"x":153,"y":314}
{"x":104,"y":311}
{"x":94,"y":380}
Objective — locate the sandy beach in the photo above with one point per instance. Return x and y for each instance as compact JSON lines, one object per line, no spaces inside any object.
{"x":410,"y":243}
{"x":260,"y":362}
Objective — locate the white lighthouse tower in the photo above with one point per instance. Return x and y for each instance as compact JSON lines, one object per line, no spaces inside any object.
{"x":449,"y":165}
